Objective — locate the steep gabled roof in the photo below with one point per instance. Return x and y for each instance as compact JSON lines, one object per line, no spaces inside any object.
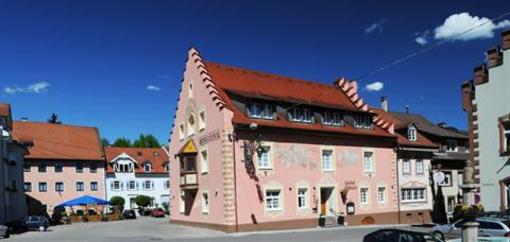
{"x":59,"y":141}
{"x":222,"y":80}
{"x":426,"y":126}
{"x":156,"y":156}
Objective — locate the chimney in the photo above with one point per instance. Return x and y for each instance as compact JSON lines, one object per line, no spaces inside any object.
{"x":407,"y":109}
{"x":481,"y":75}
{"x":494,"y":57}
{"x":505,"y":39}
{"x":24,"y":119}
{"x":384,"y":103}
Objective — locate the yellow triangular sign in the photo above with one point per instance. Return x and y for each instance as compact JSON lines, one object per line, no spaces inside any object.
{"x":189,"y":147}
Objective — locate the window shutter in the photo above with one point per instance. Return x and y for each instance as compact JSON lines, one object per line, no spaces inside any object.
{"x":122,"y":186}
{"x":137,"y":185}
{"x":111,"y":185}
{"x":152,"y":185}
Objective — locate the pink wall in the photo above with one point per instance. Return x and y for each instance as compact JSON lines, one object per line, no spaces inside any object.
{"x":69,"y":177}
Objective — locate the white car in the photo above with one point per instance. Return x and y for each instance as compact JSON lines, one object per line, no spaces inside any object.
{"x":4,"y":231}
{"x":488,"y":227}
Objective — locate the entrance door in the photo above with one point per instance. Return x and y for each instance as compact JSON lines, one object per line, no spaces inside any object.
{"x":325,"y":197}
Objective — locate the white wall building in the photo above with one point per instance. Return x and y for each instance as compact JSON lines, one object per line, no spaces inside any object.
{"x":137,"y":171}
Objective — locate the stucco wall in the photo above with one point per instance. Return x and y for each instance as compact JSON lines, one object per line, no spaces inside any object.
{"x":414,"y":180}
{"x":159,"y":192}
{"x":493,"y":101}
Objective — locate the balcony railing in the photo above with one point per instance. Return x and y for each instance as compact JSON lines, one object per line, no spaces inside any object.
{"x":189,"y":180}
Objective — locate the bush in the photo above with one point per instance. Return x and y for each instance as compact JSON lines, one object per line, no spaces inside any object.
{"x":118,"y":203}
{"x":166,"y":206}
{"x":143,"y":201}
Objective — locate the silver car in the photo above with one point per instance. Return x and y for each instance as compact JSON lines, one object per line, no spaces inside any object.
{"x":488,"y":227}
{"x":4,"y":231}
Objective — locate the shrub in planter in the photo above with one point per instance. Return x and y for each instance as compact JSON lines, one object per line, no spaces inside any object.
{"x":118,"y":203}
{"x":143,"y":201}
{"x":462,"y":210}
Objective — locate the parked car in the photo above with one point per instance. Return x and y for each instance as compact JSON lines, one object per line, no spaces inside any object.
{"x":4,"y":231}
{"x":129,"y":214}
{"x":158,"y":213}
{"x":488,"y":227}
{"x":39,"y":223}
{"x":486,"y":239}
{"x":399,"y":235}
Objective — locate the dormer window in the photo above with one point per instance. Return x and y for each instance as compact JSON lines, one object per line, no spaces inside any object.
{"x":261,"y":110}
{"x":363,"y":121}
{"x":123,"y":168}
{"x":167,"y":166}
{"x":411,"y":133}
{"x":300,"y":115}
{"x":332,"y":118}
{"x":452,"y":146}
{"x":147,"y":167}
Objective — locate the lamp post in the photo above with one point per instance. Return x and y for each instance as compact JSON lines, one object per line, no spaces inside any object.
{"x":470,"y":227}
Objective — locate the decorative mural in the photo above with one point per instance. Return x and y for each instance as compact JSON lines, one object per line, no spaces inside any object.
{"x":348,"y":158}
{"x":296,"y":156}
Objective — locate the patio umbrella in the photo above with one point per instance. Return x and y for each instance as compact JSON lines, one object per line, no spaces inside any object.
{"x":84,"y":200}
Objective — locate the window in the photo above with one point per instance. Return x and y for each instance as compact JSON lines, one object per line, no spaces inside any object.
{"x":273,"y":200}
{"x":381,"y":194}
{"x":79,"y":167}
{"x":255,"y":111}
{"x":41,"y":166}
{"x":182,"y":204}
{"x":264,"y":158}
{"x":167,"y":184}
{"x":302,"y":198}
{"x":332,"y":118}
{"x":79,"y":186}
{"x":327,"y":160}
{"x":411,"y":133}
{"x":191,"y":125}
{"x":13,"y":157}
{"x":93,"y":186}
{"x":413,"y":195}
{"x":115,"y":185}
{"x":181,"y":131}
{"x":190,"y":89}
{"x":451,"y":146}
{"x":406,"y":167}
{"x":363,"y":121}
{"x":59,"y":186}
{"x":364,"y":196}
{"x":451,"y":203}
{"x":504,"y":130}
{"x":268,"y":111}
{"x":201,"y":121}
{"x":419,"y":166}
{"x":43,"y":187}
{"x":59,"y":166}
{"x":167,"y":166}
{"x":300,"y":115}
{"x":26,"y":167}
{"x":93,"y":167}
{"x":368,"y":161}
{"x":147,"y":167}
{"x":205,"y":202}
{"x":258,"y":110}
{"x":204,"y":166}
{"x":132,"y":185}
{"x":27,"y":186}
{"x":147,"y":184}
{"x":447,"y":182}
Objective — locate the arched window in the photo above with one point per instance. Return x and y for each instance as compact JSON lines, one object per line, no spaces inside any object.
{"x":411,"y":133}
{"x":191,"y":125}
{"x":147,"y":167}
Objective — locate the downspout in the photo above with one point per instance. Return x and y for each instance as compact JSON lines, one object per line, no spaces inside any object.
{"x":234,"y":139}
{"x":398,"y":186}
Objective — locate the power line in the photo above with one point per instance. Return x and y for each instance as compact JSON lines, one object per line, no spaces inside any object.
{"x":405,"y":58}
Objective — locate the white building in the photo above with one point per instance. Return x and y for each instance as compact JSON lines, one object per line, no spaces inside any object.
{"x":137,"y":171}
{"x":13,"y":204}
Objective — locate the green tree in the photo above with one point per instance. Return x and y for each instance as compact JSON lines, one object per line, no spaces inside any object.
{"x":146,"y":141}
{"x":54,"y":119}
{"x":118,"y":203}
{"x":105,"y":142}
{"x":143,"y":201}
{"x":122,"y":142}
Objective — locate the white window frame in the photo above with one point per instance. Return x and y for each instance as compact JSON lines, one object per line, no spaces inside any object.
{"x":191,"y":126}
{"x":266,"y":150}
{"x":82,"y":186}
{"x":447,"y":182}
{"x":129,"y":185}
{"x":384,"y":195}
{"x":201,"y":120}
{"x":307,"y":115}
{"x":145,"y":182}
{"x":369,"y":165}
{"x":255,"y":110}
{"x":363,"y":121}
{"x":114,"y":187}
{"x":56,"y":187}
{"x":506,"y":135}
{"x":406,"y":169}
{"x":205,"y":202}
{"x":409,"y":195}
{"x":182,"y":203}
{"x":204,"y":163}
{"x":419,"y":167}
{"x":267,"y":111}
{"x":96,"y":186}
{"x":145,"y":165}
{"x":44,"y":184}
{"x":270,"y":199}
{"x":364,"y":199}
{"x":182,"y":131}
{"x":328,"y":165}
{"x":412,"y":133}
{"x":302,"y":198}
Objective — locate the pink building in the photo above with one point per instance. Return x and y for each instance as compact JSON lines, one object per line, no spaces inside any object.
{"x":260,"y":151}
{"x":64,"y":162}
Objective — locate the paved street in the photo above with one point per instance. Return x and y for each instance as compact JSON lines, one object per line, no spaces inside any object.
{"x":151,"y":229}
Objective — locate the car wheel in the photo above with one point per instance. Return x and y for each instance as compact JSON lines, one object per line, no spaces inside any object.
{"x":7,"y":234}
{"x":42,"y":228}
{"x":438,"y":234}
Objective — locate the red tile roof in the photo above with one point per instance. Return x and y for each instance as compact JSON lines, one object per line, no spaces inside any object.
{"x":421,"y":141}
{"x":59,"y":141}
{"x":141,"y":155}
{"x":269,"y":86}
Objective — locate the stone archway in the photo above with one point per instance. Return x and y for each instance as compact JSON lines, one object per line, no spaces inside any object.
{"x":368,"y":220}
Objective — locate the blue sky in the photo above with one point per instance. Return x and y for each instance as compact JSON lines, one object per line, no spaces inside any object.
{"x":91,"y":62}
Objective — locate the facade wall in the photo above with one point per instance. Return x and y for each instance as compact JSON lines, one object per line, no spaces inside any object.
{"x":492,"y":102}
{"x":12,"y":197}
{"x":68,"y":176}
{"x":158,"y":189}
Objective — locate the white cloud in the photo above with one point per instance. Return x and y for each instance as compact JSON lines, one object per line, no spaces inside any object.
{"x":422,"y":38}
{"x":153,"y":88}
{"x":376,"y":26}
{"x":463,"y":26}
{"x":38,"y":87}
{"x":374,"y":87}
